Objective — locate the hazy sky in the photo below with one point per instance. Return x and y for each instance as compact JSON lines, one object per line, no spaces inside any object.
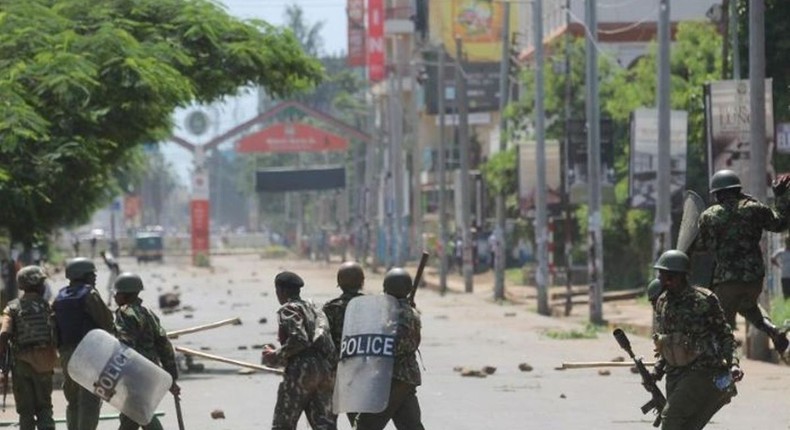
{"x":239,"y":109}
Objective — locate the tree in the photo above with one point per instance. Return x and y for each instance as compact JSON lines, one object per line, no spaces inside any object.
{"x":84,"y":82}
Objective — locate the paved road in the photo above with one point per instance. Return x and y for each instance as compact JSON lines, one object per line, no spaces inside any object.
{"x":459,"y":330}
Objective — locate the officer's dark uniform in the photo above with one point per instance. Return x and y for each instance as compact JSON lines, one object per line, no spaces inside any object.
{"x":79,"y":309}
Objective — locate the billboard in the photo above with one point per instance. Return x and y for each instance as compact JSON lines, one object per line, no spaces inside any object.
{"x":291,"y":137}
{"x":300,"y":180}
{"x":356,"y":33}
{"x":577,"y":161}
{"x":479,"y":24}
{"x":375,"y":41}
{"x":527,"y":170}
{"x":728,"y":118}
{"x":643,"y":172}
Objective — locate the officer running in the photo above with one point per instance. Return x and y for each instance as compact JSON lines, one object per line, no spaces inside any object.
{"x":138,"y":327}
{"x":308,"y":355}
{"x":79,"y":309}
{"x":732,"y":229}
{"x":403,"y":408}
{"x":695,"y":346}
{"x":27,"y":322}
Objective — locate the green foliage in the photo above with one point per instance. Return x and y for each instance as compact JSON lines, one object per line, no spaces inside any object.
{"x":590,"y":331}
{"x":275,"y":251}
{"x":500,"y":171}
{"x":84,"y":82}
{"x":780,"y":311}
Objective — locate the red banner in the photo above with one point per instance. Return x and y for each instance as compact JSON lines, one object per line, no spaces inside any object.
{"x":200,"y":231}
{"x":291,"y":137}
{"x":356,"y":33}
{"x":376,"y":61}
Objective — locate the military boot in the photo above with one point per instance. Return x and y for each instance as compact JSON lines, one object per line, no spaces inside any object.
{"x":778,"y":337}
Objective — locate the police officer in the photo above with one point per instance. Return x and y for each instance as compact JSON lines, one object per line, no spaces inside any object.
{"x":695,"y":346}
{"x":731,"y":229}
{"x":350,"y":279}
{"x":308,"y":354}
{"x":138,"y":327}
{"x":403,"y":408}
{"x":79,"y":309}
{"x":27,"y":322}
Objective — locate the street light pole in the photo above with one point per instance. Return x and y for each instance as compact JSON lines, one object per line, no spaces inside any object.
{"x":662,"y":224}
{"x":442,"y":174}
{"x":541,"y":218}
{"x":463,"y":137}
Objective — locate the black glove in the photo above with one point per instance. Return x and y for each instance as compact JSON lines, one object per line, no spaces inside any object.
{"x":780,"y":185}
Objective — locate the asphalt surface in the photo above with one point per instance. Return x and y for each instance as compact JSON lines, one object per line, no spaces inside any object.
{"x":459,"y":330}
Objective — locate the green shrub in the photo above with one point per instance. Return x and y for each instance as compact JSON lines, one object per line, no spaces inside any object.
{"x":275,"y":251}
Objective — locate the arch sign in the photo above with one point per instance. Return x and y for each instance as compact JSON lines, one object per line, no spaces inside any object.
{"x":291,"y":137}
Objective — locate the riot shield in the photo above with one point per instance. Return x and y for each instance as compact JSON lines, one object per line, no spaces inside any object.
{"x":367,"y":353}
{"x":693,"y":206}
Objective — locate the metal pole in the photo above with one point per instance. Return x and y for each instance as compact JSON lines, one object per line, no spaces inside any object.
{"x":736,"y":53}
{"x":594,"y":221}
{"x":499,"y":253}
{"x":416,"y":166}
{"x":564,"y":156}
{"x":757,"y":341}
{"x":663,"y":222}
{"x":397,"y":163}
{"x":442,"y":175}
{"x":541,"y":220}
{"x":463,"y":137}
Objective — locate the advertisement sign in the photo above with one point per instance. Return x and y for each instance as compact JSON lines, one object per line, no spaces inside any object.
{"x":291,"y":137}
{"x":728,"y":118}
{"x":199,"y":210}
{"x":375,"y":42}
{"x":279,"y":181}
{"x":479,"y":23}
{"x":527,"y":171}
{"x":577,"y":161}
{"x":783,"y":138}
{"x":356,"y":33}
{"x":482,"y":88}
{"x":643,"y":173}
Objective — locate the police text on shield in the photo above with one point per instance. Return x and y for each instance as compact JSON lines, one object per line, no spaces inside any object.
{"x":377,"y":345}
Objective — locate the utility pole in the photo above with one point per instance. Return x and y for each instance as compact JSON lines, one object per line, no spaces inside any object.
{"x":541,"y":219}
{"x":594,"y":221}
{"x":757,"y":341}
{"x":416,"y":166}
{"x":397,"y":163}
{"x":736,"y":53}
{"x":463,"y":137}
{"x":442,"y":174}
{"x":499,"y":253}
{"x":564,"y":163}
{"x":663,"y":222}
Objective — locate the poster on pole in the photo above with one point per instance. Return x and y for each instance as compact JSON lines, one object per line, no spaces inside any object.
{"x":643,"y":171}
{"x":528,"y":173}
{"x":375,"y":41}
{"x":728,"y":118}
{"x":355,"y":10}
{"x":577,"y":161}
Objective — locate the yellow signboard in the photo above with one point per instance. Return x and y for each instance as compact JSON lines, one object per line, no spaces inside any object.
{"x":479,"y":23}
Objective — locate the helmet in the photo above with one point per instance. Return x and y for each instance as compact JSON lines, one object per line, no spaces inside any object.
{"x":78,"y":267}
{"x":128,"y":283}
{"x":350,"y":275}
{"x":724,"y":180}
{"x":673,"y":261}
{"x":653,"y":290}
{"x":397,"y":282}
{"x":30,"y":277}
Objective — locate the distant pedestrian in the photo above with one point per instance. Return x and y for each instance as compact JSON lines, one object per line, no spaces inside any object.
{"x":138,"y":327}
{"x":27,"y":324}
{"x":309,"y":356}
{"x":781,"y":259}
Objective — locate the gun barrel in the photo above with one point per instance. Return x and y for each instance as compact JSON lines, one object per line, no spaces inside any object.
{"x":622,"y":340}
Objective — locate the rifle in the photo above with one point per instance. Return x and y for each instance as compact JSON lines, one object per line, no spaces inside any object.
{"x":179,"y":415}
{"x":418,"y":277}
{"x":5,"y":366}
{"x":658,"y":401}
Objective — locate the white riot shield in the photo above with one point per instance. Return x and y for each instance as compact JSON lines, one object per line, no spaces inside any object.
{"x":119,"y":375}
{"x":367,"y":353}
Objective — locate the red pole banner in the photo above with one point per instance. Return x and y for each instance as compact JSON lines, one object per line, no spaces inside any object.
{"x":200,"y":232}
{"x":356,"y":33}
{"x":376,"y":70}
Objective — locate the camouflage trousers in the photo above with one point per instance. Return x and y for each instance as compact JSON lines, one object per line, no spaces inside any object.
{"x":403,"y":409}
{"x":306,"y":386}
{"x":82,"y":412}
{"x":741,"y":298}
{"x":693,"y":399}
{"x":33,"y":397}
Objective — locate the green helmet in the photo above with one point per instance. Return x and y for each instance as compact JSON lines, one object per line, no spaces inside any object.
{"x":653,"y":290}
{"x":397,"y":283}
{"x":673,"y":261}
{"x":350,"y":275}
{"x":128,"y":283}
{"x":77,"y":268}
{"x":724,"y":180}
{"x":30,"y":277}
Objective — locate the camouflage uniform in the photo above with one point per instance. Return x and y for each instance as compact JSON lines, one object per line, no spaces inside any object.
{"x":28,"y":322}
{"x":403,"y":407}
{"x":82,"y":412}
{"x":335,"y":311}
{"x":732,"y":230}
{"x":139,"y":328}
{"x":693,"y":315}
{"x":309,"y":357}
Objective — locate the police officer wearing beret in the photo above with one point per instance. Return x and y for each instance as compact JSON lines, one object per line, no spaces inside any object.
{"x":308,"y":355}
